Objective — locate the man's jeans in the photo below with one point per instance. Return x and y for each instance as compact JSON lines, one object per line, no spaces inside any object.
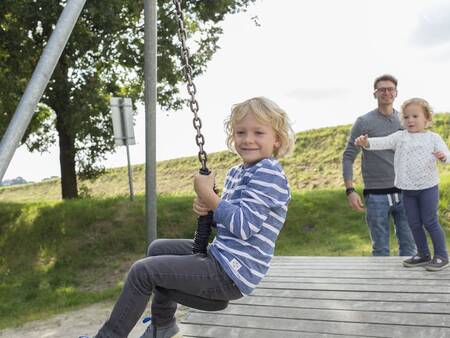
{"x":422,"y":210}
{"x":379,"y":208}
{"x":170,"y":264}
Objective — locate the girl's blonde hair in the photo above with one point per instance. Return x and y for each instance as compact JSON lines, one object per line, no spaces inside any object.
{"x":265,"y":111}
{"x":427,"y":110}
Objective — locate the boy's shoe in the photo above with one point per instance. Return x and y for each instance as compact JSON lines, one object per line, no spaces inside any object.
{"x":167,"y":331}
{"x":437,"y":263}
{"x":416,"y":260}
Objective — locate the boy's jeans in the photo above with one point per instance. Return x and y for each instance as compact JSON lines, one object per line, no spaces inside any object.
{"x":378,"y":211}
{"x":422,"y":210}
{"x":170,"y":264}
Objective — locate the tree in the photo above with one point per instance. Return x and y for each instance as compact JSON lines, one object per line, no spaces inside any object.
{"x":104,"y":57}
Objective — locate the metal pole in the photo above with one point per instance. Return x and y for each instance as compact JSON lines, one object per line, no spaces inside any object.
{"x":125,"y":140}
{"x":39,"y":80}
{"x":150,"y":68}
{"x":130,"y":173}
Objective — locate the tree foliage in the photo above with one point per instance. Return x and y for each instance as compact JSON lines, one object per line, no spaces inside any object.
{"x":103,"y":57}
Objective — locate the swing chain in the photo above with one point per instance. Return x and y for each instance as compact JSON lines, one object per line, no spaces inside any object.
{"x":192,"y":90}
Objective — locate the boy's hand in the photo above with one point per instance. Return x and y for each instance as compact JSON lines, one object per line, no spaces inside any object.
{"x":199,"y":207}
{"x":440,"y":155}
{"x":204,"y":187}
{"x":204,"y":184}
{"x":362,"y":141}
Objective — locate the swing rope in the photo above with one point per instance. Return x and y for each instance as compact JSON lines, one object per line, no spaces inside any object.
{"x":204,"y":223}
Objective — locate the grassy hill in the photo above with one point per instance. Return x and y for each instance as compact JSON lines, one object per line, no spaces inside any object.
{"x":56,"y":255}
{"x":316,"y":163}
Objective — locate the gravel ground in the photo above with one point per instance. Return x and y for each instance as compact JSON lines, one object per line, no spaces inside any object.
{"x":73,"y":324}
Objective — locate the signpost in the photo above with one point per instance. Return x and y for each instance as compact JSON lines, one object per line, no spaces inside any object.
{"x":122,"y":118}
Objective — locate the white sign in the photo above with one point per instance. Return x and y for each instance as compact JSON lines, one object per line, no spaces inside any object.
{"x":122,"y":118}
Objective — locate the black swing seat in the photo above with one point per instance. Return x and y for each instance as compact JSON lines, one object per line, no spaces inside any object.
{"x":195,"y":302}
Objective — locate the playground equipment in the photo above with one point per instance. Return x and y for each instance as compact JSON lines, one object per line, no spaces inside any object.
{"x":204,"y":223}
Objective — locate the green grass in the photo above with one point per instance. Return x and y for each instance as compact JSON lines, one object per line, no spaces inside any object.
{"x":55,"y":256}
{"x":319,"y":223}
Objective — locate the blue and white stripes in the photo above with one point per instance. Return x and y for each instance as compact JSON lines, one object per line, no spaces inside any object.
{"x":249,"y":218}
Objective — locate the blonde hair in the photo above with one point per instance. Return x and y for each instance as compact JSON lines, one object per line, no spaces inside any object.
{"x":426,"y":108}
{"x":265,"y":111}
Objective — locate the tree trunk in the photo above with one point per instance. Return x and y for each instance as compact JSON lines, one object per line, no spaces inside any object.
{"x":60,"y":102}
{"x":69,"y":186}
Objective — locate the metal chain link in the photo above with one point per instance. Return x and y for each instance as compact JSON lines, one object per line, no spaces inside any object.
{"x":192,"y":90}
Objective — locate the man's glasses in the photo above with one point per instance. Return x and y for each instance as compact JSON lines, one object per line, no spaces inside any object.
{"x":385,"y":90}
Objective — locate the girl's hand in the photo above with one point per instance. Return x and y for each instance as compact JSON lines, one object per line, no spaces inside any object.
{"x":440,"y":155}
{"x":362,"y":141}
{"x":199,"y":207}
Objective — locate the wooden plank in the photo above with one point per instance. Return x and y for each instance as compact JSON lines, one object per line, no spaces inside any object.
{"x":289,"y":260}
{"x":350,"y":316}
{"x":353,"y":267}
{"x":336,"y":257}
{"x":339,"y":258}
{"x":363,"y":268}
{"x":391,"y":264}
{"x":340,"y":304}
{"x":366,"y":281}
{"x":318,"y":326}
{"x":357,"y":287}
{"x":206,"y":331}
{"x":409,"y":274}
{"x":371,"y":296}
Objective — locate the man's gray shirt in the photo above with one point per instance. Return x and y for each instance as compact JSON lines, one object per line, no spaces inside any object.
{"x":377,"y":166}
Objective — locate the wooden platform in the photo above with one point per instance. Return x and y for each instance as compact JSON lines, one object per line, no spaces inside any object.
{"x":335,"y":297}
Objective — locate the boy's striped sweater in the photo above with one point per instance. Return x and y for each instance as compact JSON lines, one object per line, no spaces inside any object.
{"x":249,"y":218}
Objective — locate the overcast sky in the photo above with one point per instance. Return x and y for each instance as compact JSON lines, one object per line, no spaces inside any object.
{"x":316,"y":59}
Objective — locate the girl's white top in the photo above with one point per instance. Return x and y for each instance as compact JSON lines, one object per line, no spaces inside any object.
{"x":414,"y":162}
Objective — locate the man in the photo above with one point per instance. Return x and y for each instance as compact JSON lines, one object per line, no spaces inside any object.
{"x":381,"y":197}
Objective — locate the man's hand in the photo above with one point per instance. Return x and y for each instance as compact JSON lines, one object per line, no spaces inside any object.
{"x":355,"y":201}
{"x":440,"y":155}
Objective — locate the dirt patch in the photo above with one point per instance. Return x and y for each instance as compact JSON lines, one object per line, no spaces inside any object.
{"x":73,"y":324}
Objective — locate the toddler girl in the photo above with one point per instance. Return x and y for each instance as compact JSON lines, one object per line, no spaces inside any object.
{"x":416,"y":152}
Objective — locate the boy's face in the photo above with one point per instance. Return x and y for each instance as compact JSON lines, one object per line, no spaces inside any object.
{"x":414,"y":118}
{"x":254,"y":140}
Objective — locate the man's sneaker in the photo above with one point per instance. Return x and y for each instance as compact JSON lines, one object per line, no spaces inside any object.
{"x":416,"y":261}
{"x":437,"y":263}
{"x":161,"y":332}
